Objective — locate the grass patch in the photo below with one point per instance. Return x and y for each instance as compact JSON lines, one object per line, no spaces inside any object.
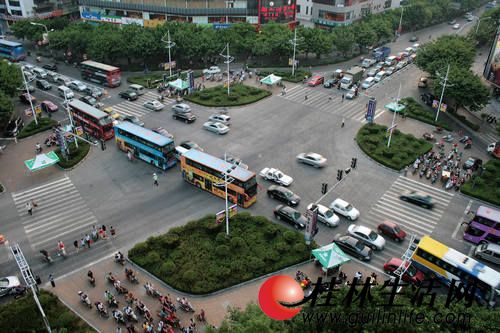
{"x":44,"y":123}
{"x":217,"y":96}
{"x":75,"y":154}
{"x":424,"y":114}
{"x":155,"y":76}
{"x":286,"y":74}
{"x":61,"y":318}
{"x":405,"y":148}
{"x":198,"y":257}
{"x":487,"y":185}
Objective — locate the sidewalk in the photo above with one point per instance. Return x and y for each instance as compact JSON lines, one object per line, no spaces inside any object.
{"x":215,"y":306}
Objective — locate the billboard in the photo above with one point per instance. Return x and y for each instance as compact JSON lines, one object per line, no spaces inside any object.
{"x":492,"y":69}
{"x":279,"y":11}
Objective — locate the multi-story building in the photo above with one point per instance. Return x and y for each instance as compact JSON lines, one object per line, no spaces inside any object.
{"x":330,"y":13}
{"x":304,"y":12}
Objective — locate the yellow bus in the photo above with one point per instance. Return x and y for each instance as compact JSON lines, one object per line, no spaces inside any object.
{"x":448,"y":264}
{"x":207,"y":172}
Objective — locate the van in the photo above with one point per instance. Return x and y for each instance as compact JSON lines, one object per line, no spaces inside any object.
{"x":379,"y":76}
{"x":390,"y":61}
{"x":489,"y":252}
{"x":40,"y":73}
{"x":65,"y":92}
{"x":368,"y":82}
{"x":138,"y":89}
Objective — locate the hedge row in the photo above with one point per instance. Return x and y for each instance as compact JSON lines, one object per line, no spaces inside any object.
{"x":424,"y":114}
{"x":217,"y":96}
{"x":75,"y":154}
{"x":404,"y":149}
{"x":32,"y":128}
{"x":286,"y":75}
{"x":487,"y":186}
{"x":199,"y":258}
{"x":464,"y":120}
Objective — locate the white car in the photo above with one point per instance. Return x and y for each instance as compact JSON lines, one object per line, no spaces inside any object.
{"x":153,"y":105}
{"x":7,"y":284}
{"x":344,"y":208}
{"x":221,"y":118}
{"x":390,"y":70}
{"x":326,"y":215}
{"x":77,"y":85}
{"x":351,"y":93}
{"x":276,"y":176}
{"x":456,"y":26}
{"x":372,"y":72}
{"x":216,"y":127}
{"x":212,"y":70}
{"x":367,"y":236}
{"x":314,"y":159}
{"x":491,"y":148}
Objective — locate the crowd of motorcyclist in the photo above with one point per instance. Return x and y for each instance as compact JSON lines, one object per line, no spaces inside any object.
{"x":128,"y":315}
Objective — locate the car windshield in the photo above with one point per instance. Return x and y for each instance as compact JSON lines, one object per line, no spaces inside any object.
{"x":373,"y":235}
{"x":4,"y":283}
{"x":348,"y":207}
{"x":359,"y":245}
{"x":288,"y":194}
{"x":279,"y":175}
{"x":411,"y":271}
{"x":328,"y":213}
{"x":396,"y":230}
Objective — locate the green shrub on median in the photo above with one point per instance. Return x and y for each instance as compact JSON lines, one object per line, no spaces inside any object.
{"x":422,"y":113}
{"x":240,"y":94}
{"x":32,"y":128}
{"x":75,"y":154}
{"x":487,"y":186}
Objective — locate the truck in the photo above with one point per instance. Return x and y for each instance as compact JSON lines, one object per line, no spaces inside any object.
{"x":380,"y":53}
{"x":351,"y":77}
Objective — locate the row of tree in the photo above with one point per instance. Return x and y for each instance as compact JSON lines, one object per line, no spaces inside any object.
{"x":200,"y":45}
{"x":486,"y":28}
{"x":10,"y":81}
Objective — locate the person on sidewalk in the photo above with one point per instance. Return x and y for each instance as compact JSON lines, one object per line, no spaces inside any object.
{"x":51,"y":279}
{"x":94,"y":233}
{"x":155,"y":179}
{"x":358,"y":276}
{"x":343,"y":96}
{"x":82,"y":243}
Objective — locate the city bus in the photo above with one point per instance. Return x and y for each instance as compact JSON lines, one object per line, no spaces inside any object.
{"x":101,"y":73}
{"x":447,"y":264}
{"x":12,"y":51}
{"x":93,"y":121}
{"x":484,"y":227}
{"x":145,"y":144}
{"x":207,"y":172}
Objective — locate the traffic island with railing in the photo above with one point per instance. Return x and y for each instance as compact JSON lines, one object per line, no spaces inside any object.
{"x":404,"y":148}
{"x":74,"y":156}
{"x":199,"y":257}
{"x":239,"y":94}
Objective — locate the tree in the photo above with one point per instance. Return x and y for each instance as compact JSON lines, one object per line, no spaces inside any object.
{"x":487,"y":27}
{"x":465,"y":88}
{"x":343,"y":40}
{"x":364,"y":34}
{"x":453,"y":50}
{"x":313,"y":40}
{"x":110,"y":36}
{"x":6,"y":109}
{"x":10,"y":78}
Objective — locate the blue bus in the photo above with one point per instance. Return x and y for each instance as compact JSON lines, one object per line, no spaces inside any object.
{"x":11,"y":50}
{"x":144,"y":144}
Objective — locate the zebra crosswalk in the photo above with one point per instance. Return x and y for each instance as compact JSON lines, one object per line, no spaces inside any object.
{"x":330,"y":103}
{"x":411,"y":218}
{"x":136,"y":108}
{"x":61,"y":213}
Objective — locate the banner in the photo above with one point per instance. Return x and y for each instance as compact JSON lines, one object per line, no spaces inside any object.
{"x":279,"y":11}
{"x":221,"y":216}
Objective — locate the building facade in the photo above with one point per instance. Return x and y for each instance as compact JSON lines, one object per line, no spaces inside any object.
{"x":330,"y":13}
{"x":304,"y":12}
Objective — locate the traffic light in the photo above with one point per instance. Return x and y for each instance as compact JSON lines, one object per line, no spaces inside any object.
{"x":324,"y":188}
{"x":339,"y":175}
{"x":353,"y":162}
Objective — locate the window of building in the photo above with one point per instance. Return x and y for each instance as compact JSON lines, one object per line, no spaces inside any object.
{"x":17,"y":12}
{"x":298,"y":9}
{"x":307,"y":10}
{"x":323,"y":14}
{"x":14,"y":3}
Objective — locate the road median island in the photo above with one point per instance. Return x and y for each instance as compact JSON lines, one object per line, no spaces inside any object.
{"x":404,"y":149}
{"x":424,"y":114}
{"x":32,"y":128}
{"x":199,"y":258}
{"x":487,"y":184}
{"x":75,"y":154}
{"x":286,"y":74}
{"x":240,"y":94}
{"x":22,"y":315}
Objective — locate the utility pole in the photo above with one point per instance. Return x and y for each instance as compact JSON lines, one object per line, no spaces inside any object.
{"x":400,"y":28}
{"x":29,"y":97}
{"x":442,"y":93}
{"x":66,"y":106}
{"x":394,"y":118}
{"x":228,"y":60}
{"x":294,"y":44}
{"x":169,"y":45}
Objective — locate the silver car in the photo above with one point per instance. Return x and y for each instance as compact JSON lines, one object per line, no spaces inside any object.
{"x":314,"y":159}
{"x":367,"y":236}
{"x":182,"y":108}
{"x":153,"y":105}
{"x":77,"y":85}
{"x":221,"y":118}
{"x":216,"y":127}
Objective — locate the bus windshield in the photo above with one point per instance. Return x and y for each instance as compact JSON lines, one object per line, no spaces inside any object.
{"x":105,"y":121}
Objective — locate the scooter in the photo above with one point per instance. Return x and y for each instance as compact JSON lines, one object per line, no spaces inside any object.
{"x":119,"y":319}
{"x":428,"y":174}
{"x":91,"y":281}
{"x":103,"y":313}
{"x":113,"y":303}
{"x":131,"y":317}
{"x":434,"y":178}
{"x":187,"y":307}
{"x":448,"y":138}
{"x":449,"y":184}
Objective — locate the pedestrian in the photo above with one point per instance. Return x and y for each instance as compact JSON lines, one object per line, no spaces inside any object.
{"x":305,"y":97}
{"x":87,"y":240}
{"x":155,"y":179}
{"x":75,"y":244}
{"x":343,"y":123}
{"x":52,"y":282}
{"x":101,"y":233}
{"x":330,"y":98}
{"x":33,"y":203}
{"x":358,"y":276}
{"x":94,"y":233}
{"x":29,"y":207}
{"x":343,"y":98}
{"x":82,"y":243}
{"x":112,"y":231}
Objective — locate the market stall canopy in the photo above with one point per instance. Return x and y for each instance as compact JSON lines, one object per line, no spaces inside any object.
{"x":330,"y":256}
{"x":42,"y":161}
{"x":395,"y":107}
{"x":271,"y":79}
{"x":179,"y":84}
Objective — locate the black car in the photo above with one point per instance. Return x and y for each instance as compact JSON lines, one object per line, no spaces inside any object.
{"x":50,"y":67}
{"x":90,"y":101}
{"x":134,"y":120}
{"x":128,"y":95}
{"x":330,"y":83}
{"x":43,"y":84}
{"x":418,"y":198}
{"x":290,"y":215}
{"x":14,"y":127}
{"x":428,"y":98}
{"x":283,"y":194}
{"x":353,"y":246}
{"x":190,"y":145}
{"x":187,"y":117}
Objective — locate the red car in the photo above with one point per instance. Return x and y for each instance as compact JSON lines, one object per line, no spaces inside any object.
{"x":48,"y":106}
{"x":316,"y":80}
{"x":412,"y":275}
{"x":392,"y":230}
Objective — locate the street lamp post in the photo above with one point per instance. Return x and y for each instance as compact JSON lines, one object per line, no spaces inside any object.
{"x":479,"y":21}
{"x":294,"y":44}
{"x":66,"y":106}
{"x":169,"y":45}
{"x":400,"y":28}
{"x":442,"y":93}
{"x":394,"y":118}
{"x":226,"y":182}
{"x":29,"y":97}
{"x":227,"y":60}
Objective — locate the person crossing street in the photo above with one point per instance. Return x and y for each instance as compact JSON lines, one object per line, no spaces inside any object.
{"x":155,"y":179}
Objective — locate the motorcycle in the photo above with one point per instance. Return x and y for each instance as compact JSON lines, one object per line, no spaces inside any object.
{"x":421,"y":173}
{"x":468,"y":144}
{"x":19,"y":292}
{"x":113,"y":303}
{"x":85,"y":300}
{"x":464,"y":139}
{"x":121,"y":290}
{"x":303,"y":279}
{"x":50,"y":141}
{"x":185,"y":306}
{"x":111,"y":279}
{"x":46,"y":256}
{"x":120,"y":259}
{"x":434,"y":178}
{"x":118,"y":317}
{"x":428,"y":174}
{"x":103,"y":313}
{"x":438,"y":130}
{"x":152,"y":291}
{"x":131,"y":276}
{"x":428,"y":136}
{"x":131,"y":316}
{"x":449,"y":184}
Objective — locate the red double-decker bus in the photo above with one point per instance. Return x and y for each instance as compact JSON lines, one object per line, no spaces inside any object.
{"x":93,"y":121}
{"x":106,"y":75}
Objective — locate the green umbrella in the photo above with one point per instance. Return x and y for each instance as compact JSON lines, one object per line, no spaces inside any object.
{"x":42,"y":161}
{"x":330,"y":256}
